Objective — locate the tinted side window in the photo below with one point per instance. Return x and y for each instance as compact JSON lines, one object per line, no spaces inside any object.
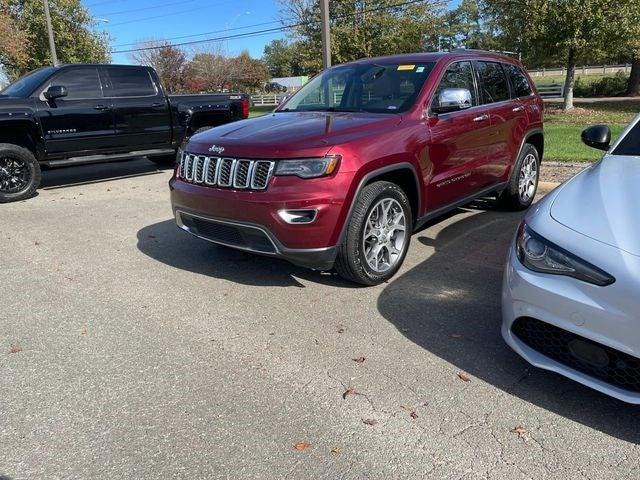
{"x":457,"y":75}
{"x":80,"y":83}
{"x":519,"y":82}
{"x":630,"y":144}
{"x":130,"y":82}
{"x":493,"y":83}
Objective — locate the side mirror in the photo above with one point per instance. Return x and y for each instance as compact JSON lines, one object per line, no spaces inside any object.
{"x":55,"y":91}
{"x":598,"y":136}
{"x":452,"y":100}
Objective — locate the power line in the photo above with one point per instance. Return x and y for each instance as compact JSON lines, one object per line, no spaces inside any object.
{"x":149,"y":7}
{"x":171,"y":14}
{"x":272,"y":30}
{"x":204,"y":33}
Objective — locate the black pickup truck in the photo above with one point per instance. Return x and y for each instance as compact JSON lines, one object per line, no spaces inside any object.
{"x":78,"y":114}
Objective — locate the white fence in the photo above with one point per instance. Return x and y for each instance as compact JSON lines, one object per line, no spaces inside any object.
{"x":268,"y":99}
{"x":551,"y":91}
{"x":583,"y":70}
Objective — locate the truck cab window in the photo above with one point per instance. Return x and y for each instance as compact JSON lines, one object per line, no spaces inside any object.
{"x":81,"y":83}
{"x":129,"y":82}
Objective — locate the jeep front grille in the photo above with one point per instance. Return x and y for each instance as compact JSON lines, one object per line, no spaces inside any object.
{"x":225,"y":172}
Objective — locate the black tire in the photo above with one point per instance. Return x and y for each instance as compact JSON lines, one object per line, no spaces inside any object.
{"x":164,"y":160}
{"x":18,"y":164}
{"x":511,"y":198}
{"x":351,"y":263}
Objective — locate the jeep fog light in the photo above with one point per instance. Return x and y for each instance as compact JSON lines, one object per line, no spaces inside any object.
{"x":298,"y":216}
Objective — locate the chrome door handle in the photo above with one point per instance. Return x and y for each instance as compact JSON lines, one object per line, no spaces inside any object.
{"x":517,"y":109}
{"x":157,"y":105}
{"x":481,"y":118}
{"x":101,"y":107}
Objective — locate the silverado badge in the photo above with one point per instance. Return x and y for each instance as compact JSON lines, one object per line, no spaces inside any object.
{"x":216,"y":149}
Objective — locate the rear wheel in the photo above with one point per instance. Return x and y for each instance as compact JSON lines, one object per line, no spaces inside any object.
{"x":523,"y":184}
{"x":19,"y":173}
{"x":377,"y":236}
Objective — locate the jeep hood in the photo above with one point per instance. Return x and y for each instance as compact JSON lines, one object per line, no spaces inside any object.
{"x":602,"y":202}
{"x":293,"y":133}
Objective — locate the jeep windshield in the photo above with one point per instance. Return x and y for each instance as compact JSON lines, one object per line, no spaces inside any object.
{"x":24,"y":86}
{"x":388,"y":88}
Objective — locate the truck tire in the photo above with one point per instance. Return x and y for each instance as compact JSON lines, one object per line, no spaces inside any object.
{"x":523,"y":183}
{"x":19,"y":173}
{"x":377,"y":236}
{"x":164,"y":160}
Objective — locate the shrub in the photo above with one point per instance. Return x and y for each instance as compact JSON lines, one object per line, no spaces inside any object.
{"x":604,"y":87}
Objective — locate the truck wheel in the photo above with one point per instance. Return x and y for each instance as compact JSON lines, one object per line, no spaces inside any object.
{"x":164,"y":160}
{"x":19,"y":173}
{"x":377,"y":236}
{"x":523,"y":184}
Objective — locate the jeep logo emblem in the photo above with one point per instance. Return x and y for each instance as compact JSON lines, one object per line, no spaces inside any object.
{"x":216,"y":149}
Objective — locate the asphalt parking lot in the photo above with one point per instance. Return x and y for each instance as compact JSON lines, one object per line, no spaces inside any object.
{"x":130,"y":350}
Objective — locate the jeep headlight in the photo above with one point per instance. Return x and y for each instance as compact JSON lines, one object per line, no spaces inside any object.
{"x":308,"y":167}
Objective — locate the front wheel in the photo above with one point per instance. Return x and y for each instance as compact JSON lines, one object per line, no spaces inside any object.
{"x":19,"y":173}
{"x":377,"y":236}
{"x":523,"y":184}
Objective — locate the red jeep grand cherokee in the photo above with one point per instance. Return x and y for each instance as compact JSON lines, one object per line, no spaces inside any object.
{"x":344,"y":171}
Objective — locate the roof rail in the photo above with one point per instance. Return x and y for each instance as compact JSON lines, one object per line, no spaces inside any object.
{"x":479,"y":50}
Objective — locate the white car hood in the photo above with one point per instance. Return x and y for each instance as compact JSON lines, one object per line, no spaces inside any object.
{"x":603,"y":203}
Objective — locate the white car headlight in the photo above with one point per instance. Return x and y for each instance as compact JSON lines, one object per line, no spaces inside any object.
{"x":540,"y":255}
{"x":308,"y":167}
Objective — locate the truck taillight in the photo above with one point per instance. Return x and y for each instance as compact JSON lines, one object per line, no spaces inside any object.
{"x":245,"y":107}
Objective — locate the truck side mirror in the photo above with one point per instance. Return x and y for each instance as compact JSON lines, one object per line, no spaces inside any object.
{"x":452,"y":100}
{"x":597,"y":136}
{"x":55,"y":91}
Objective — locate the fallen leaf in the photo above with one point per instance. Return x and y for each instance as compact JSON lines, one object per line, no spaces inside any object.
{"x":359,"y":359}
{"x":341,"y":329}
{"x":349,"y":391}
{"x":302,"y":445}
{"x":464,"y":377}
{"x":413,"y":415}
{"x":521,"y":432}
{"x":83,"y":331}
{"x":15,"y":348}
{"x":335,"y":450}
{"x":370,"y":421}
{"x":37,"y":242}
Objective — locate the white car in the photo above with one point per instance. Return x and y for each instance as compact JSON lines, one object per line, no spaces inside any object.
{"x":571,"y":292}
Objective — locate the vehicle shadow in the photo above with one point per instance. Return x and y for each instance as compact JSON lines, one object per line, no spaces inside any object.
{"x":166,"y":243}
{"x":450,"y":305}
{"x":56,"y":178}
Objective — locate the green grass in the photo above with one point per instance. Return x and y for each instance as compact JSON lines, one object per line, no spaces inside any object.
{"x":562,"y":130}
{"x":555,"y":79}
{"x":258,"y":111}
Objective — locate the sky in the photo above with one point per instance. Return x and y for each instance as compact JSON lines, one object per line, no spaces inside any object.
{"x":130,"y":21}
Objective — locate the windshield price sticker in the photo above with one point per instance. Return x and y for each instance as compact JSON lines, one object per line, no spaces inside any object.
{"x":406,"y":67}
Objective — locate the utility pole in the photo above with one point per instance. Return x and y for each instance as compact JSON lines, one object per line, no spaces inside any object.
{"x":326,"y":37}
{"x":52,"y":43}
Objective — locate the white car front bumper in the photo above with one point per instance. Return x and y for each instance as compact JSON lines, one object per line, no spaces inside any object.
{"x":606,"y":316}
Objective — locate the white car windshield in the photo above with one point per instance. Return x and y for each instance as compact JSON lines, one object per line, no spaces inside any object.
{"x":630,"y":143}
{"x":362,"y":87}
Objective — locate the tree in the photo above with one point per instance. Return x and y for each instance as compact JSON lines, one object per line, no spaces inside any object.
{"x":281,"y":59}
{"x":73,"y":26}
{"x":466,"y":27}
{"x":359,"y":28}
{"x":574,"y":29}
{"x":169,"y":61}
{"x":13,"y":42}
{"x":624,"y":33}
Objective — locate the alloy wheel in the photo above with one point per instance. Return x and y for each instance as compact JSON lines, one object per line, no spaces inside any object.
{"x":384,"y":237}
{"x":528,"y":178}
{"x":14,"y":175}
